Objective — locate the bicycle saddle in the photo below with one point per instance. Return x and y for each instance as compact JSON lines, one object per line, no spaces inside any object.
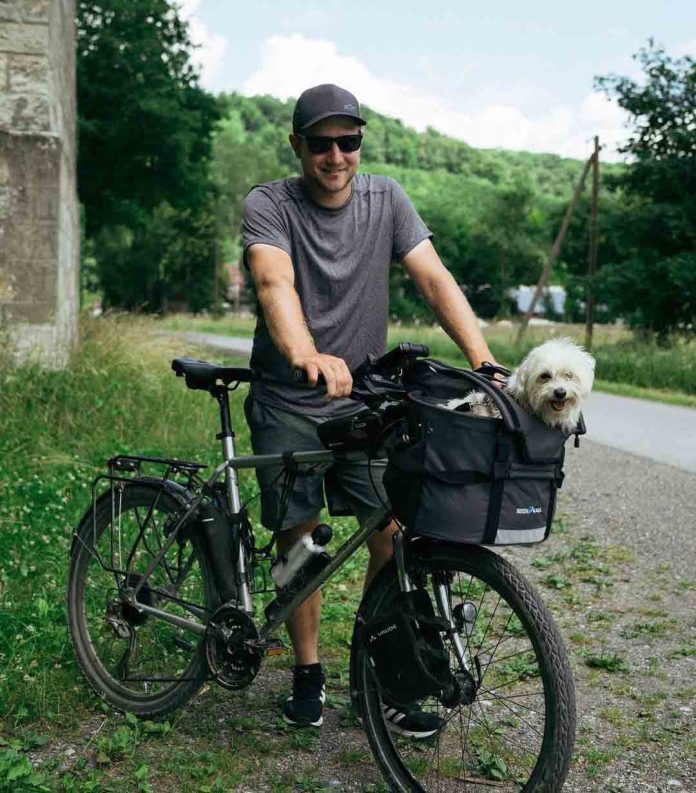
{"x":203,"y":376}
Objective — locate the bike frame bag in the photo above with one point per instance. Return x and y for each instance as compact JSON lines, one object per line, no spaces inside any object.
{"x":406,"y":651}
{"x":472,"y":479}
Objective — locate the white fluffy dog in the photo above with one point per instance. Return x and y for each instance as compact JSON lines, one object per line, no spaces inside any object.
{"x":551,"y":382}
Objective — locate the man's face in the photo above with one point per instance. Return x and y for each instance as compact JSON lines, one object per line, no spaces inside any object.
{"x":332,"y":171}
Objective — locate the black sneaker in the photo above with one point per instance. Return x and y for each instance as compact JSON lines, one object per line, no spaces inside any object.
{"x":411,"y":721}
{"x":303,"y":707}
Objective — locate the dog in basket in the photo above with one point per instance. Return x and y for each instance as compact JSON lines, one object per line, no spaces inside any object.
{"x":551,"y":382}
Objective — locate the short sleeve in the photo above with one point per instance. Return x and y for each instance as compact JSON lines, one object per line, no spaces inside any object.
{"x":263,"y":221}
{"x":409,"y":228}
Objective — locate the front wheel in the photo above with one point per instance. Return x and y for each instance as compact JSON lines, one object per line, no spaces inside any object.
{"x":135,"y":661}
{"x":518,"y":733}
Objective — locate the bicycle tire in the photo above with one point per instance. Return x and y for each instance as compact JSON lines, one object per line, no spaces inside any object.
{"x":402,"y":761}
{"x":92,"y":593}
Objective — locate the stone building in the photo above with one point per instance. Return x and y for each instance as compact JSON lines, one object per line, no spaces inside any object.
{"x":39,"y":215}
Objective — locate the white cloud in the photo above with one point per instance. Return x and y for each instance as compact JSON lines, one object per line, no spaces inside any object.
{"x":210,"y":49}
{"x":289,"y":64}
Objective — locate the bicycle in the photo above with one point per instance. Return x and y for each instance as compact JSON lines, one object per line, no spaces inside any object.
{"x":164,"y":571}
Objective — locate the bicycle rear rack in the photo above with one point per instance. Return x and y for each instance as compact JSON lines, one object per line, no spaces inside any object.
{"x":133,"y":462}
{"x":126,"y":469}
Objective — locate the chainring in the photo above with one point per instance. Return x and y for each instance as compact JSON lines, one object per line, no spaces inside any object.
{"x":231,"y":656}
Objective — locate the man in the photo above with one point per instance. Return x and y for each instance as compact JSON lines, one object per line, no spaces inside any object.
{"x":319,"y":248}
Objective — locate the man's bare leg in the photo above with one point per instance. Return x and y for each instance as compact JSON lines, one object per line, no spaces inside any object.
{"x":303,"y":623}
{"x":381,"y":547}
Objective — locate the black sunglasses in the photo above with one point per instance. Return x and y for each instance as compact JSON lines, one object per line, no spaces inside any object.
{"x":321,"y":144}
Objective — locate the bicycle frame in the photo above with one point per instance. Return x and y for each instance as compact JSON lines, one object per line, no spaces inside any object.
{"x":229,"y":467}
{"x":276,"y":613}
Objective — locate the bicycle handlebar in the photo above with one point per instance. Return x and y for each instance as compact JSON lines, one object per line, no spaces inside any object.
{"x":388,"y":365}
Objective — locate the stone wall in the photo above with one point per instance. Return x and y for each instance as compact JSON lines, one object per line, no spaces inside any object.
{"x":39,"y":214}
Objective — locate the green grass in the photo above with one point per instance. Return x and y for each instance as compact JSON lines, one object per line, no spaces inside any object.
{"x":626,"y":366}
{"x":118,"y":395}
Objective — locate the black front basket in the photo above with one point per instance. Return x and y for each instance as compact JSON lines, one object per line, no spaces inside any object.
{"x":472,"y":479}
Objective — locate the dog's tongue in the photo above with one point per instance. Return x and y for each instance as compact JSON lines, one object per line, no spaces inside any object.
{"x":558,"y":406}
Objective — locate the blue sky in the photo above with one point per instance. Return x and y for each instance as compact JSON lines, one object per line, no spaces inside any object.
{"x":503,"y":74}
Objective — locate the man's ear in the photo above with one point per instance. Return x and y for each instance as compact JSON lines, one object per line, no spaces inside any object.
{"x":296,"y":143}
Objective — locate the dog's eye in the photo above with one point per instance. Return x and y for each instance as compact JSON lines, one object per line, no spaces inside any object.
{"x":545,"y":376}
{"x":569,"y":375}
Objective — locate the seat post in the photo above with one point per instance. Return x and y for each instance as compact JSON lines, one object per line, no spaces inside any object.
{"x":226,"y":435}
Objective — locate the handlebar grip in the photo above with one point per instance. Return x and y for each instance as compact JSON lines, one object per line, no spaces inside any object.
{"x":421,"y":350}
{"x":300,"y":376}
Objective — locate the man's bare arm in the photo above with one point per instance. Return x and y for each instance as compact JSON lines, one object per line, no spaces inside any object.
{"x":274,"y":279}
{"x":447,"y":300}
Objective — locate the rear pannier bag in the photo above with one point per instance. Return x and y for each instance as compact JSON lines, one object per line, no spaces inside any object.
{"x":472,"y":479}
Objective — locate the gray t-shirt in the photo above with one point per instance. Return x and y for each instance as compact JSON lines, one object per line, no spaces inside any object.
{"x":341,"y":259}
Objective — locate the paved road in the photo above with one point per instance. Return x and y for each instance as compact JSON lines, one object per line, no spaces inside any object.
{"x":664,"y":433}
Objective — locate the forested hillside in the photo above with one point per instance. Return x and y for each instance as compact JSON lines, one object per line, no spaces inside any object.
{"x":493,"y":212}
{"x":163,"y":168}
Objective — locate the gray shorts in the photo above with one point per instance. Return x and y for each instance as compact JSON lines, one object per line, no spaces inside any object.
{"x":349,"y":486}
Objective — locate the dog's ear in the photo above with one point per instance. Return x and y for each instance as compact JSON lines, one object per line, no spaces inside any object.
{"x":517,"y":381}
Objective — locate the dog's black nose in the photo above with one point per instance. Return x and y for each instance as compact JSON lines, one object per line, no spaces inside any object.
{"x":559,"y":393}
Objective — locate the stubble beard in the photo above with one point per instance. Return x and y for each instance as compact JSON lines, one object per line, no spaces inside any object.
{"x":332,"y":186}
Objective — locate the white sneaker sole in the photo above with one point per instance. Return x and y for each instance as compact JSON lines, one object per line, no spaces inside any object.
{"x":410,"y":733}
{"x":317,"y":723}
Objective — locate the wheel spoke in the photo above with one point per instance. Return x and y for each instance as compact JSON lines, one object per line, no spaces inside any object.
{"x":496,"y":741}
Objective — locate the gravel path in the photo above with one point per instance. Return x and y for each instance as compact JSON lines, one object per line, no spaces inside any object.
{"x":636,"y":729}
{"x":625,"y":554}
{"x":631,"y":521}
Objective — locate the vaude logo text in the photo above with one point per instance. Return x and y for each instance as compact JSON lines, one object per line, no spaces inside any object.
{"x":528,"y":510}
{"x":388,"y":629}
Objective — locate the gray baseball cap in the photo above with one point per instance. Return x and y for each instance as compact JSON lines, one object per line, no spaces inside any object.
{"x":323,"y":101}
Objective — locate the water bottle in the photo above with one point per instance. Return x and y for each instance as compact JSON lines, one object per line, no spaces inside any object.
{"x":302,"y":553}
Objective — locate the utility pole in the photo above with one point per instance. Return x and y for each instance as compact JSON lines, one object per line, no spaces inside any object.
{"x":555,"y":250}
{"x":592,"y":252}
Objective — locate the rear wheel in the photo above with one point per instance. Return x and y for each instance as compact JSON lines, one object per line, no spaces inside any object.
{"x":136,"y":661}
{"x":518,"y":734}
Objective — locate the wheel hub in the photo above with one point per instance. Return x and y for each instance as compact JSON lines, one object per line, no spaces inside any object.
{"x":461,"y":692}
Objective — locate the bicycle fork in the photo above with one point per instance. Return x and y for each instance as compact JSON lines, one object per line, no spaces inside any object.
{"x":442,"y":600}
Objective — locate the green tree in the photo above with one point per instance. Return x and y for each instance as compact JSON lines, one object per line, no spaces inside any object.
{"x":144,"y":144}
{"x":241,"y":159}
{"x":652,"y":280}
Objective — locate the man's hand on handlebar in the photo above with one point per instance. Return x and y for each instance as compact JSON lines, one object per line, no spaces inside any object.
{"x":334,"y":371}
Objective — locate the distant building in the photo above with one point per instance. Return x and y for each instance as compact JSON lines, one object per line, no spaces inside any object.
{"x":552,"y":296}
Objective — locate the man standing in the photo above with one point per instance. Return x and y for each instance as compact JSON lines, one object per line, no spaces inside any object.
{"x":319,"y":248}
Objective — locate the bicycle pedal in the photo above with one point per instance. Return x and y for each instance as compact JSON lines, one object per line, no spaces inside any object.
{"x":275,"y":647}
